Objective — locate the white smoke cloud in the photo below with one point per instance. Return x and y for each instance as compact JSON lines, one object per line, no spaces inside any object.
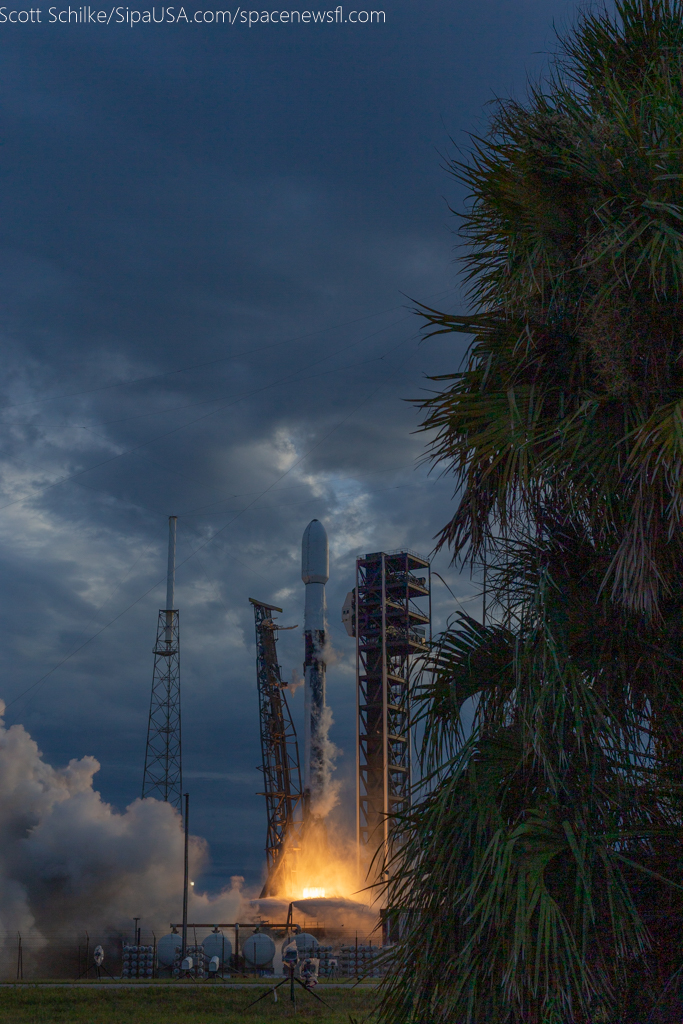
{"x":70,"y":862}
{"x":329,"y":654}
{"x":324,"y":799}
{"x":296,"y":683}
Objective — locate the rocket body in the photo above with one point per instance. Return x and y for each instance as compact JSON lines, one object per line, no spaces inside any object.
{"x":315,"y":571}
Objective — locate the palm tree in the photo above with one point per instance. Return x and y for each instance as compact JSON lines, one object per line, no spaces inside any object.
{"x":543,"y":870}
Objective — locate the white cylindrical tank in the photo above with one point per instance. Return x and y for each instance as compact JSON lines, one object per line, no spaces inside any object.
{"x":167,"y":946}
{"x":218,"y":944}
{"x":258,"y":950}
{"x":306,"y":944}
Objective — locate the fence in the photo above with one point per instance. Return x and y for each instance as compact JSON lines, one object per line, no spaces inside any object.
{"x":56,"y":957}
{"x":69,"y":959}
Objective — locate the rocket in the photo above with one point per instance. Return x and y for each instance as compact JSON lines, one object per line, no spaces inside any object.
{"x":315,"y":572}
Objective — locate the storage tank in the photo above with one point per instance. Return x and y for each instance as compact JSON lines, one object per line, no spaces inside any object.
{"x":258,"y":950}
{"x":217,"y":944}
{"x":306,"y":944}
{"x":138,"y":961}
{"x":167,"y":946}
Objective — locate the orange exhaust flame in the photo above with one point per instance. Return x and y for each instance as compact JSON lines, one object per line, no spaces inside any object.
{"x":324,"y":866}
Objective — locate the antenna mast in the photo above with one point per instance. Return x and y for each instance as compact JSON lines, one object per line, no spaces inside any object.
{"x":280,"y":750}
{"x":163,"y":775}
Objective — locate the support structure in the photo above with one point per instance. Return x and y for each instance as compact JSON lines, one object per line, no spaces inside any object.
{"x":163,"y":774}
{"x":280,"y":752}
{"x":391,"y":622}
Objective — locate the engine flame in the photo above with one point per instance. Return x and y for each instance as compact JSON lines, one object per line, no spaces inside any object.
{"x":323,"y":861}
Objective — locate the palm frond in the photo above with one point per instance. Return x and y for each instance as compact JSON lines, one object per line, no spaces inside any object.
{"x":540,"y":866}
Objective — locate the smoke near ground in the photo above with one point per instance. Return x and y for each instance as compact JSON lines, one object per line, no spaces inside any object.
{"x":70,"y":862}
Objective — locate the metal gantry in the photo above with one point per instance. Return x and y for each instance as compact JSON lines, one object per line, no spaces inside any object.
{"x":280,"y":753}
{"x":163,"y":773}
{"x":391,"y":627}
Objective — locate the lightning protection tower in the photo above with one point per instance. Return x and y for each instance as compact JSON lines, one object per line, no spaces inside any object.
{"x":280,"y":752}
{"x":391,"y":625}
{"x":163,"y":775}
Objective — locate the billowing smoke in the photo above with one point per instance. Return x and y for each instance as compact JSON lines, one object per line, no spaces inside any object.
{"x":330,"y":654}
{"x":324,"y":798}
{"x":71,"y":862}
{"x":296,"y":683}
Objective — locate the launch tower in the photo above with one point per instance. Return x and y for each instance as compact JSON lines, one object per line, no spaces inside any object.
{"x":391,"y":621}
{"x":163,"y":774}
{"x":280,"y":752}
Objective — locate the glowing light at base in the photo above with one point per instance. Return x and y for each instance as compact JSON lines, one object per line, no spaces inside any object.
{"x":324,"y":866}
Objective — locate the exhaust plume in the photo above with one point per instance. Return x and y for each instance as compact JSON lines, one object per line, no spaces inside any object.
{"x":71,"y":862}
{"x":326,"y":796}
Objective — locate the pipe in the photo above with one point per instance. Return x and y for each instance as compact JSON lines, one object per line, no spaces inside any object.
{"x":185,"y":885}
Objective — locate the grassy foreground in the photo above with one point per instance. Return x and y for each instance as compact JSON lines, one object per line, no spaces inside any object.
{"x":177,"y":1005}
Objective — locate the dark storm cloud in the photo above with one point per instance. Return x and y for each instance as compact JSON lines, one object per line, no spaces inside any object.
{"x":237,"y":219}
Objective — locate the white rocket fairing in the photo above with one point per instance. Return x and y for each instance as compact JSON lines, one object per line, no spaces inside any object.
{"x":315,"y":572}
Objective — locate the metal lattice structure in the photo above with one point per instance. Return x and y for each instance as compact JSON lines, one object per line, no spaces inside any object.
{"x":391,"y":627}
{"x":280,"y":753}
{"x":163,"y":774}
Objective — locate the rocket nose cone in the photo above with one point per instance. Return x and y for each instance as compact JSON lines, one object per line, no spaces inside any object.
{"x":315,"y":556}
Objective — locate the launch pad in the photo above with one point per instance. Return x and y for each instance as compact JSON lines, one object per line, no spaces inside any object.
{"x":389,"y":615}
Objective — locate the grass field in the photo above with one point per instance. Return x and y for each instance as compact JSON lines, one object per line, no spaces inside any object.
{"x":173,"y":1004}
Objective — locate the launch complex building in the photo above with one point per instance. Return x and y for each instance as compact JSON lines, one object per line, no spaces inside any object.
{"x":388,"y":613}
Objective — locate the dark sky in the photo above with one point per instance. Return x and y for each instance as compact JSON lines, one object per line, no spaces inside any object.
{"x":210,"y":237}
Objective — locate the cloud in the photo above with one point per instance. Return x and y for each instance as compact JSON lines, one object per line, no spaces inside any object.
{"x":70,"y":862}
{"x":203,"y":278}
